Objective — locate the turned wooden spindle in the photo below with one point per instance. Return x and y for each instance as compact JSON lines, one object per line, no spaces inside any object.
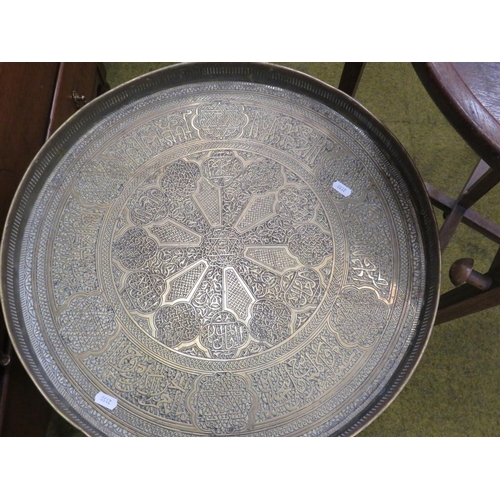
{"x":462,"y":272}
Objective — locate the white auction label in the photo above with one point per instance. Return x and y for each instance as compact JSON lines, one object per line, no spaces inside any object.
{"x":341,"y":188}
{"x":106,"y":401}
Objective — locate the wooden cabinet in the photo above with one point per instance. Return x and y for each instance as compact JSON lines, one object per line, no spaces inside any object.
{"x":35,"y":99}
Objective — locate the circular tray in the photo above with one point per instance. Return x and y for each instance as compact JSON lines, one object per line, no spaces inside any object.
{"x":221,"y":249}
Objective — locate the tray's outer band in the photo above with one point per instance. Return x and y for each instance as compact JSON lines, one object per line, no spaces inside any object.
{"x":182,"y":74}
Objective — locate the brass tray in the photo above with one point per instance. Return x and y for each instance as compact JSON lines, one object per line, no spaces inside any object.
{"x":221,"y":249}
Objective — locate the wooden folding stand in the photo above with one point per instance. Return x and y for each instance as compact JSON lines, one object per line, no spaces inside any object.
{"x":468,"y":95}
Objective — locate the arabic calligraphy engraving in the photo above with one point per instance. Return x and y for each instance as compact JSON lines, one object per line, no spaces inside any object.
{"x":204,"y":273}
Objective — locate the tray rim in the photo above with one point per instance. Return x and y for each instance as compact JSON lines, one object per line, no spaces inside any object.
{"x":263,"y":73}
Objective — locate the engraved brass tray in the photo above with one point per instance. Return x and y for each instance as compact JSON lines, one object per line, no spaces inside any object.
{"x":221,"y":249}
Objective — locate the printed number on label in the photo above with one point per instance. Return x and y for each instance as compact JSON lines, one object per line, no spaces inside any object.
{"x":106,"y":401}
{"x":341,"y":188}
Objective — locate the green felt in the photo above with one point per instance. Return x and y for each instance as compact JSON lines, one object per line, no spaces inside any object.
{"x":455,"y":389}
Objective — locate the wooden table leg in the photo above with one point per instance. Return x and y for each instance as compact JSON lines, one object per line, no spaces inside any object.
{"x":351,"y":76}
{"x":481,"y":181}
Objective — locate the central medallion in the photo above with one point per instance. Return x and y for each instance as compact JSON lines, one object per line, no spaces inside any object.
{"x":221,"y":254}
{"x":222,"y":246}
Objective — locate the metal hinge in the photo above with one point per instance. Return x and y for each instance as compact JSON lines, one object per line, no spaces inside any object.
{"x":79,"y":100}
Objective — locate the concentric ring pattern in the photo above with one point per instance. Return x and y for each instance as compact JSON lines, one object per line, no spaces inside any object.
{"x":191,"y":257}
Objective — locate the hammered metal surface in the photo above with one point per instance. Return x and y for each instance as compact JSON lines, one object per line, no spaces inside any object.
{"x":189,"y":257}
